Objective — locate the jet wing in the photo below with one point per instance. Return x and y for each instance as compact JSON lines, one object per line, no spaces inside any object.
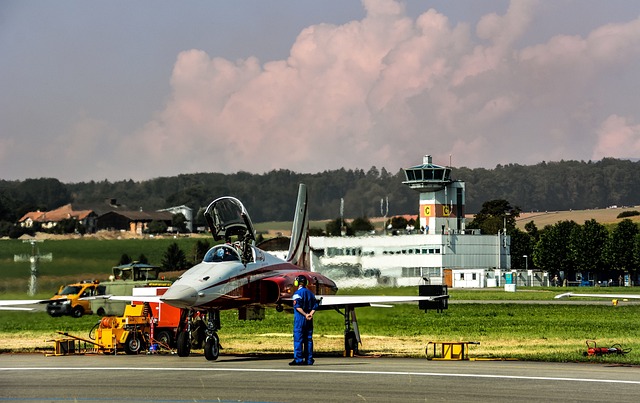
{"x":340,"y":301}
{"x":612,"y":296}
{"x":11,"y":304}
{"x":136,"y":298}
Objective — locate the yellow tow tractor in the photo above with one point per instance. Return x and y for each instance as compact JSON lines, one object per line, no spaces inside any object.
{"x":111,"y":334}
{"x":129,"y":332}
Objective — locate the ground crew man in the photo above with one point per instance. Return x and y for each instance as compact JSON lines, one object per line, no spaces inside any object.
{"x":304,"y":306}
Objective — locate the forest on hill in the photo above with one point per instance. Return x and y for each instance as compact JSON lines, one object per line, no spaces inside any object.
{"x":271,"y":196}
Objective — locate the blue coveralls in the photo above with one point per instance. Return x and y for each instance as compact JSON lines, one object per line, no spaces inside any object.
{"x":303,"y":328}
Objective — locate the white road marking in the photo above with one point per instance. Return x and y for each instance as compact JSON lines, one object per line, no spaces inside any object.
{"x":329,"y":371}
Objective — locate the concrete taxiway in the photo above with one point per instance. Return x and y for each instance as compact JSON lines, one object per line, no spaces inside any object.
{"x":265,"y":378}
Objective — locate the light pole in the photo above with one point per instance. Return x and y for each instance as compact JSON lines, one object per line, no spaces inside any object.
{"x":34,"y":259}
{"x":384,"y":213}
{"x":526,"y":267}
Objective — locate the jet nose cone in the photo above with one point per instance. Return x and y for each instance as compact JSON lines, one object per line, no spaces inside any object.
{"x":180,"y":296}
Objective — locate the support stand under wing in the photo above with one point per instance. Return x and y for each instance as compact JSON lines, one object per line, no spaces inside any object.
{"x":351,"y":331}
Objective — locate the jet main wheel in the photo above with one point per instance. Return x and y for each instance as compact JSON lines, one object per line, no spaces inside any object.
{"x":183,"y":344}
{"x":351,"y":344}
{"x":212,"y":348}
{"x":134,"y":344}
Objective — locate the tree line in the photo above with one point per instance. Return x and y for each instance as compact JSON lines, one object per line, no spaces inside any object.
{"x":566,"y":249}
{"x":271,"y":196}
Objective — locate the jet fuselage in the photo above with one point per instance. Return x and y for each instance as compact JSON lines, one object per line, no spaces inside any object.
{"x":221,"y":281}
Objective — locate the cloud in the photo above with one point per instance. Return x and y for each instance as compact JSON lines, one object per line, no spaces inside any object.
{"x":387,"y":89}
{"x":618,"y":136}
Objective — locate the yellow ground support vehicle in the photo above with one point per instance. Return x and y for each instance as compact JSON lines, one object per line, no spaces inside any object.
{"x":69,"y":299}
{"x":130,"y":332}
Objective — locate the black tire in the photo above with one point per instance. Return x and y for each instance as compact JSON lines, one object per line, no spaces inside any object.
{"x":212,"y":348}
{"x":101,"y":311}
{"x":165,"y":338}
{"x":134,"y":344}
{"x":351,"y":344}
{"x":183,"y":344}
{"x":77,"y":311}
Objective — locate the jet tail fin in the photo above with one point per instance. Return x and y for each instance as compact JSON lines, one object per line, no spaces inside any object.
{"x":299,"y":245}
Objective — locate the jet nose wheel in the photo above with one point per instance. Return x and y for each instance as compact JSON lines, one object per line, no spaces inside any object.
{"x":183,"y":344}
{"x":212,"y":348}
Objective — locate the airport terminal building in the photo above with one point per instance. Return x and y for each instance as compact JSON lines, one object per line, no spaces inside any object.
{"x":441,"y":251}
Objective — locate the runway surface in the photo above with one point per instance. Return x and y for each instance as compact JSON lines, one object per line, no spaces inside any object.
{"x":269,"y":378}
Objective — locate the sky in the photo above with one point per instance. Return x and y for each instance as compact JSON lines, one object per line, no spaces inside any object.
{"x":117,"y":90}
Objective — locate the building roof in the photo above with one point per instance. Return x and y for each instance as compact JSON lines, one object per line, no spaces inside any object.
{"x":134,"y":215}
{"x":427,"y":177}
{"x":181,"y":207}
{"x":57,"y":215}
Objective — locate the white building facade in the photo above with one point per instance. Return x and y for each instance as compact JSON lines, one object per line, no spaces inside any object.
{"x":443,"y":252}
{"x":454,"y":259}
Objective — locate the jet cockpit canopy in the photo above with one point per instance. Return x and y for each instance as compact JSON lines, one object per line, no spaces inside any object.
{"x":227,"y":218}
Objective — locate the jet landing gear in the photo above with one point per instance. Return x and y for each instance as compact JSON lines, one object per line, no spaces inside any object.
{"x":212,"y":341}
{"x":198,"y":330}
{"x":351,"y":332}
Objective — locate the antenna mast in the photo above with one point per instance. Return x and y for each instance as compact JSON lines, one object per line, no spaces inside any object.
{"x":34,"y":258}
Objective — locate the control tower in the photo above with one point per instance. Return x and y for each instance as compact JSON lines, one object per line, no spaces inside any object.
{"x":441,"y":199}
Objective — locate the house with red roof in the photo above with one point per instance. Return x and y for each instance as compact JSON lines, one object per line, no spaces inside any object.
{"x":50,"y":219}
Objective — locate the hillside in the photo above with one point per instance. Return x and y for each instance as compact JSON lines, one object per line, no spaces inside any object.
{"x":603,"y":216}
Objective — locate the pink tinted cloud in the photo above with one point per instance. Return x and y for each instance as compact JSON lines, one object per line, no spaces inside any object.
{"x":387,"y":89}
{"x":618,"y":137}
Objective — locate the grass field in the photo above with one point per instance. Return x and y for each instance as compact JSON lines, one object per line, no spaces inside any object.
{"x":518,"y":331}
